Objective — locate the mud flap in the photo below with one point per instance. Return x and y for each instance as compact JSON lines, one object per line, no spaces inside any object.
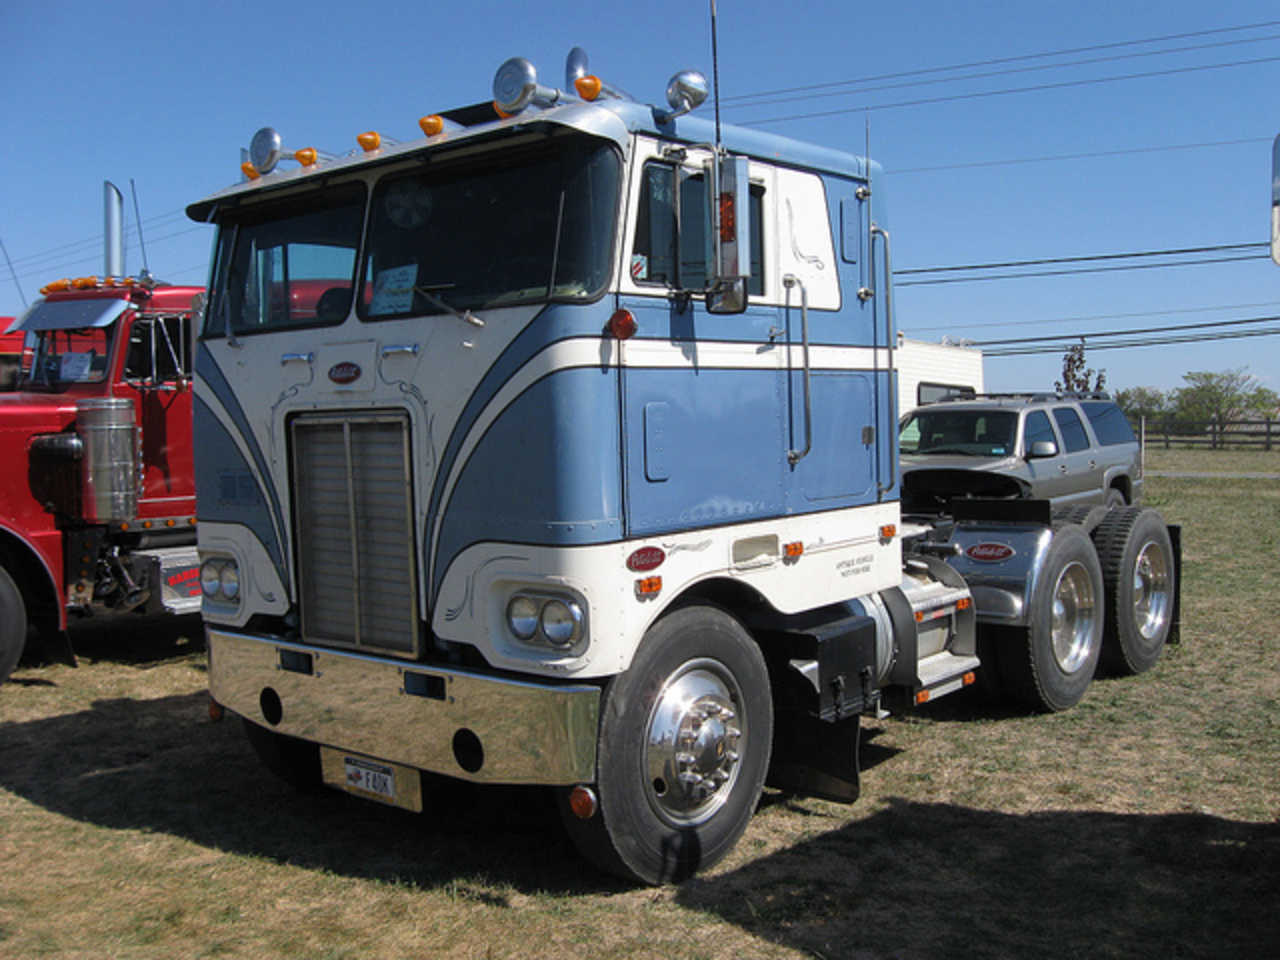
{"x":821,"y":675}
{"x":817,"y":757}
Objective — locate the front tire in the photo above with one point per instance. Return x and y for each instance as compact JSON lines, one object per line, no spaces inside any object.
{"x":685,"y":738}
{"x":1053,"y":661}
{"x":13,"y":625}
{"x":1141,"y":582}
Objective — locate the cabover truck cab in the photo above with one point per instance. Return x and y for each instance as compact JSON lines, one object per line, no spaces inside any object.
{"x":558,"y":447}
{"x":97,"y":507}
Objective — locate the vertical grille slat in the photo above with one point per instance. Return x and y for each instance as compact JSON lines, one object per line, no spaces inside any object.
{"x":354,"y":532}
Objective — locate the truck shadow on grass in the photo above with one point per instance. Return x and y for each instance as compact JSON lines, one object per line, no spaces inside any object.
{"x":162,"y":766}
{"x":919,"y":880}
{"x":910,"y":879}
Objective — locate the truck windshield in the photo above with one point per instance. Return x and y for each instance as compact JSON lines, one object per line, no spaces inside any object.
{"x":506,"y":227}
{"x":500,"y":227}
{"x":277,"y":263}
{"x":63,"y":357}
{"x":978,"y":433}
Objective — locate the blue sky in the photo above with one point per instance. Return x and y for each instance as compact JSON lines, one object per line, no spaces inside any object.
{"x":1148,"y":130}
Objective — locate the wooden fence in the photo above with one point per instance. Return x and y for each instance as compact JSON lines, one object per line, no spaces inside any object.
{"x":1214,"y":434}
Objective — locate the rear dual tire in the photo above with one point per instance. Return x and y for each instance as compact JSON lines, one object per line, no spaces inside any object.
{"x":1049,"y":665}
{"x":1138,"y":568}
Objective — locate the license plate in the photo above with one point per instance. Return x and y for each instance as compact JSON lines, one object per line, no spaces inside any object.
{"x":373,"y":779}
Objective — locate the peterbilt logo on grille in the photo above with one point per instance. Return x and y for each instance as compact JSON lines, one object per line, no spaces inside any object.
{"x":990,"y":552}
{"x":646,"y":559}
{"x":345,"y":372}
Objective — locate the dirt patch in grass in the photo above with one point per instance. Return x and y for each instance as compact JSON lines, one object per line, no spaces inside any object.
{"x":1142,"y":823}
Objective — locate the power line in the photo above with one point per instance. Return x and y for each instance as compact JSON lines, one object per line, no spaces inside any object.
{"x":1098,"y":154}
{"x":769,"y":100}
{"x":1033,"y":88}
{"x":1063,"y":346}
{"x":1208,"y":325}
{"x":1070,"y":51}
{"x":1020,"y":271}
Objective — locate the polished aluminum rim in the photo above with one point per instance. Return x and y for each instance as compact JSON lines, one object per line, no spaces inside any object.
{"x":1151,"y":591}
{"x":696,"y":733}
{"x":1075,"y":613}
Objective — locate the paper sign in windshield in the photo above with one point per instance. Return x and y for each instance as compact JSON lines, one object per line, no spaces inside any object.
{"x":393,"y":290}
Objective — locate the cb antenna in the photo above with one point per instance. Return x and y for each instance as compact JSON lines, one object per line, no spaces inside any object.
{"x":715,"y":72}
{"x":14,"y":274}
{"x":146,"y":267}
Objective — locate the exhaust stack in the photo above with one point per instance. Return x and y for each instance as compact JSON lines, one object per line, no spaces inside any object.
{"x":113,"y":218}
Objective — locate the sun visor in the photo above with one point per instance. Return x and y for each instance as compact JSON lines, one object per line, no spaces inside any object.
{"x":71,"y":314}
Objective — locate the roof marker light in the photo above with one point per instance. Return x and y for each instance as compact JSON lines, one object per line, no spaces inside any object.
{"x":249,"y":170}
{"x":307,"y":156}
{"x":432,"y":125}
{"x":370,"y":141}
{"x":588,"y":87}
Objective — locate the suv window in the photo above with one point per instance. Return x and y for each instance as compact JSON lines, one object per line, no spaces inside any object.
{"x":1037,"y":428}
{"x":1109,"y":423}
{"x":1074,"y":437}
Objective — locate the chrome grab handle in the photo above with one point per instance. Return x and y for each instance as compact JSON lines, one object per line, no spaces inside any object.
{"x":391,"y":349}
{"x":878,"y":231}
{"x":789,"y":281}
{"x":297,"y":358}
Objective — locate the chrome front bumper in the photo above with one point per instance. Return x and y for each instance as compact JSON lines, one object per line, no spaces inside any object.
{"x":453,"y":722}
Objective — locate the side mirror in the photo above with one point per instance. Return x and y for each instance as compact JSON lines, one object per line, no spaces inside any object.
{"x":1043,"y":449}
{"x":729,"y":296}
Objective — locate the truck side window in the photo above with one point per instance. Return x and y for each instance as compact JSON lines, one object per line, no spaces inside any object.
{"x":673,"y":241}
{"x":1037,"y":428}
{"x":1074,"y":436}
{"x":159,"y":350}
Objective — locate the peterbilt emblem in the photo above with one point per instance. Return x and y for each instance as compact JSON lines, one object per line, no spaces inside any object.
{"x":345,"y":372}
{"x":990,"y":552}
{"x":646,"y":559}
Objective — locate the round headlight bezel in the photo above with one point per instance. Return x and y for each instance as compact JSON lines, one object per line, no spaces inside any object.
{"x":546,"y":619}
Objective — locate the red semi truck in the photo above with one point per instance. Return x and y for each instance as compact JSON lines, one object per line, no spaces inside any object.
{"x":97,"y":506}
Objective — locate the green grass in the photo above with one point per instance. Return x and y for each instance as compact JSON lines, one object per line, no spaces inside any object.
{"x":1142,"y":823}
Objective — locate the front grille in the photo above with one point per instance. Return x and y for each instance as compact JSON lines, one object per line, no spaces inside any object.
{"x":353,"y":529}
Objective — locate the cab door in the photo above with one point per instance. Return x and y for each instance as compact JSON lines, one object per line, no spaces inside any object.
{"x":157,"y":376}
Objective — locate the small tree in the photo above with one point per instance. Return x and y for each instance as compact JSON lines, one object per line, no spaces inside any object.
{"x":1140,"y":402}
{"x":1076,"y":377}
{"x":1225,"y":395}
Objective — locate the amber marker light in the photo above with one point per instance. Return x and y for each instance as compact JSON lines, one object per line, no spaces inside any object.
{"x":922,"y":697}
{"x":582,"y":801}
{"x":432,"y":124}
{"x":307,"y":156}
{"x":249,"y":170}
{"x":969,"y":678}
{"x":588,"y":87}
{"x":623,"y":324}
{"x":649,"y":586}
{"x":369,"y":141}
{"x":794,"y":549}
{"x":964,"y":603}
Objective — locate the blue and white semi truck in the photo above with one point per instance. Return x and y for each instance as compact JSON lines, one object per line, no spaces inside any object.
{"x":558,"y":446}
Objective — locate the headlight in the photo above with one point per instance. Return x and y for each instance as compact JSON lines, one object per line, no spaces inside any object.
{"x":220,"y":580}
{"x":555,"y":620}
{"x":522,"y":617}
{"x":229,"y":581}
{"x":561,"y":622}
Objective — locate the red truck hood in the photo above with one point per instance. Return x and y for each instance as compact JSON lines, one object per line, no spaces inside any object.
{"x":25,"y":414}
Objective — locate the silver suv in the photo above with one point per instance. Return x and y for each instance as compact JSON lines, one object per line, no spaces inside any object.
{"x":1067,"y":449}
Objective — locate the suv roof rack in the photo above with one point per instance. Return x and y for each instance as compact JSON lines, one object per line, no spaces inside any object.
{"x":1033,"y":396}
